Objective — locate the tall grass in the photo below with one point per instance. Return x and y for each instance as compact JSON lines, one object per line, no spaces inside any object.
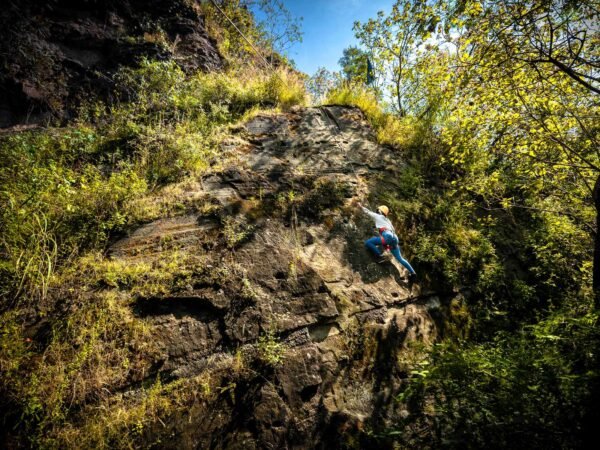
{"x":63,"y":193}
{"x":397,"y":131}
{"x":66,"y":190}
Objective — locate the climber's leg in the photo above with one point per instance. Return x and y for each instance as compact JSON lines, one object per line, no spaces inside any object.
{"x":372,"y":244}
{"x":396,"y":252}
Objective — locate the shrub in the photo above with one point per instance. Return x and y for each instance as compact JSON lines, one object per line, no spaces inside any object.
{"x":390,"y":129}
{"x":98,"y":345}
{"x":285,"y":89}
{"x":524,"y":389}
{"x":52,"y":207}
{"x":63,"y":190}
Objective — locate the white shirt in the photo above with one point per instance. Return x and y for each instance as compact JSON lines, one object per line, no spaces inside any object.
{"x":380,"y":220}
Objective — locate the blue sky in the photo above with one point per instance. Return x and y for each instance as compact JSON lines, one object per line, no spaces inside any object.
{"x":327,"y":28}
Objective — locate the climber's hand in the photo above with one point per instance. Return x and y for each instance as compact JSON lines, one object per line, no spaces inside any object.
{"x":359,"y":204}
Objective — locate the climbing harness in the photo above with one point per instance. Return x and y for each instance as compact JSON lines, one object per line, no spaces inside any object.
{"x":392,"y":243}
{"x":384,"y":244}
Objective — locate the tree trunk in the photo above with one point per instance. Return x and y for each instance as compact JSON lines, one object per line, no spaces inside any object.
{"x":399,"y":98}
{"x":398,"y":80}
{"x":596,"y":269}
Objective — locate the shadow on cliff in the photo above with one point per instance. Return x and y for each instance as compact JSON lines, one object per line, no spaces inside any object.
{"x":387,"y":373}
{"x":375,"y":356}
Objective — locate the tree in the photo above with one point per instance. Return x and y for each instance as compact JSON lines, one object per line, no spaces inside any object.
{"x":320,"y":83}
{"x":395,"y":41}
{"x":561,"y":34}
{"x":509,"y":89}
{"x":511,"y":86}
{"x":248,"y":27}
{"x":280,"y":28}
{"x":537,"y":62}
{"x":354,"y":64}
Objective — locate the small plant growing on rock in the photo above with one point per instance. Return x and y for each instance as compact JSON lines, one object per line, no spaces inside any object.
{"x":248,"y":290}
{"x":293,"y":270}
{"x":270,"y":350}
{"x":287,"y":199}
{"x":235,"y":231}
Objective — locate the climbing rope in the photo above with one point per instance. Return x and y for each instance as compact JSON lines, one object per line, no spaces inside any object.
{"x":332,"y":121}
{"x":268,"y":65}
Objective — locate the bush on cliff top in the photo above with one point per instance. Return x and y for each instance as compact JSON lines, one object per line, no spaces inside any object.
{"x":390,"y":129}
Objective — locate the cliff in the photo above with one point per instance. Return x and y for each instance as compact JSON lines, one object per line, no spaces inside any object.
{"x":301,"y":337}
{"x":248,"y":316}
{"x":56,"y":54}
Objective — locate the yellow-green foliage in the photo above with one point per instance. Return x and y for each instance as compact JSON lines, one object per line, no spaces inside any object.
{"x":122,"y":423}
{"x":100,"y":344}
{"x":238,"y":91}
{"x":285,"y":88}
{"x":270,"y":350}
{"x":167,"y":201}
{"x":220,"y":96}
{"x":536,"y":378}
{"x":361,"y":97}
{"x":54,"y":202}
{"x":123,"y":420}
{"x":555,"y":234}
{"x":67,"y":189}
{"x":390,"y":129}
{"x":145,"y":278}
{"x":235,"y":231}
{"x":14,"y":350}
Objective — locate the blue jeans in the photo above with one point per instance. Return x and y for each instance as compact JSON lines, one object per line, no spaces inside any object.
{"x":374,"y":242}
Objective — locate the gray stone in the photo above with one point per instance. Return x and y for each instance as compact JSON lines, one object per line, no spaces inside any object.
{"x":338,"y":321}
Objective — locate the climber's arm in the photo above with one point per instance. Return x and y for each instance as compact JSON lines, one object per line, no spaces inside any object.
{"x":368,"y":211}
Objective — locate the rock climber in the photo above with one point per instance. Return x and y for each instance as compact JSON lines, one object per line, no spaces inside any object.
{"x":387,"y":238}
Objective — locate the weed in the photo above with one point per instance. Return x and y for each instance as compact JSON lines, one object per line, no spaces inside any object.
{"x":270,"y":350}
{"x":235,"y":231}
{"x":248,"y":290}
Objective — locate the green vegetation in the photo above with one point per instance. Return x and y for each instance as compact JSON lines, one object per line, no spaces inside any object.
{"x":270,"y":350}
{"x":66,"y":190}
{"x":127,"y":420}
{"x":495,"y":194}
{"x":64,"y":193}
{"x":390,"y":128}
{"x":500,"y":139}
{"x":271,"y":34}
{"x":354,"y":64}
{"x":528,"y":390}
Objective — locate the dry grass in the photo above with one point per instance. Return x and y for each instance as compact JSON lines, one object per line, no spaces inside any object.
{"x":390,"y":129}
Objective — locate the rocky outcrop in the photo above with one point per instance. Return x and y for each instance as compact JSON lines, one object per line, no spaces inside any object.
{"x":285,"y":240}
{"x":55,"y":52}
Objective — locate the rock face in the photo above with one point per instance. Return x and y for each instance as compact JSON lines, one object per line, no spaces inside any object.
{"x":323,"y":330}
{"x":53,"y":52}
